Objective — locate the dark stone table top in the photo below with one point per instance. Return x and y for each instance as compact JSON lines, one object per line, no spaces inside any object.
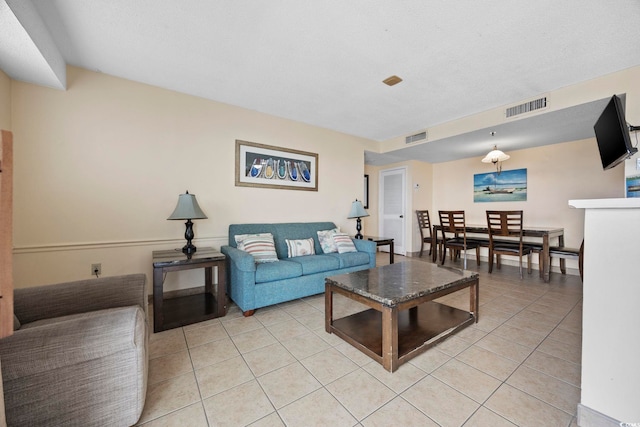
{"x":396,"y":283}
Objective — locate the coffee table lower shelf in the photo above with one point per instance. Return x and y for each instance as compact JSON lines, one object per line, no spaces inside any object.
{"x":419,"y":328}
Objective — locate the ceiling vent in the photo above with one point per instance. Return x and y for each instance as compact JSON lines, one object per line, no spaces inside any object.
{"x":527,"y":107}
{"x":415,"y":138}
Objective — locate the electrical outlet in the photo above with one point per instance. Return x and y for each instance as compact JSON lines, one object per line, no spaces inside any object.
{"x":96,"y":269}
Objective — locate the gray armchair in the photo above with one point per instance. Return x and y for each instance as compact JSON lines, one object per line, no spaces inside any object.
{"x":79,"y":355}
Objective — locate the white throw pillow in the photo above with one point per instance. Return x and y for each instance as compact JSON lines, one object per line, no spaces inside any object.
{"x":300,"y":247}
{"x":325,"y":237}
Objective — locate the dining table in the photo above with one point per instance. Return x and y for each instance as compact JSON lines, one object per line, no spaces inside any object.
{"x":541,"y":235}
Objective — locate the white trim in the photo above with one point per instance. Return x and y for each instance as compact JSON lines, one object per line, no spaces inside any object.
{"x":588,"y":417}
{"x":109,"y":244}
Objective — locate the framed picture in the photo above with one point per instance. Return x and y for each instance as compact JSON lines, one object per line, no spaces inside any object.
{"x":365,"y":201}
{"x":506,"y":186}
{"x":260,"y":165}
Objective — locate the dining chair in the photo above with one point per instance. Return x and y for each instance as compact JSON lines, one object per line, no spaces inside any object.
{"x":507,"y":224}
{"x":424,"y":225}
{"x":564,"y":252}
{"x":454,"y":235}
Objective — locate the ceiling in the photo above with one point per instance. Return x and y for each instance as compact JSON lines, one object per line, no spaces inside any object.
{"x":323,"y":62}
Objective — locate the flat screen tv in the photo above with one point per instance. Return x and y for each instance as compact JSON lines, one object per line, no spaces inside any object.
{"x":612,"y":134}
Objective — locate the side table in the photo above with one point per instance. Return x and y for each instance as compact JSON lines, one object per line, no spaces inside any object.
{"x":383,"y":241}
{"x":174,"y":312}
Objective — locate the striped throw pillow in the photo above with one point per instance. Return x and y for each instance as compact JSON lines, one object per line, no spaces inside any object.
{"x":344,"y":243}
{"x":260,"y":246}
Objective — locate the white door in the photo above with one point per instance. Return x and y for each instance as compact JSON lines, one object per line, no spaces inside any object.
{"x":392,"y":207}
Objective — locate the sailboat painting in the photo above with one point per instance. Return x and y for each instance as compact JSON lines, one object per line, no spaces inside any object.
{"x":260,"y":165}
{"x":506,"y":186}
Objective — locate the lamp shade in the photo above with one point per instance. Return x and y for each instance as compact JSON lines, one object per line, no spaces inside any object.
{"x":187,"y":208}
{"x":495,"y":156}
{"x":357,"y":210}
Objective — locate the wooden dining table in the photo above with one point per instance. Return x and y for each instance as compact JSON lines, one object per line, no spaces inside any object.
{"x":532,"y":235}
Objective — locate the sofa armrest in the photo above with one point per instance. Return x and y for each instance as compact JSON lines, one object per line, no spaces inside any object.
{"x":365,"y":245}
{"x":240,"y":260}
{"x":62,"y":299}
{"x":368,"y":247}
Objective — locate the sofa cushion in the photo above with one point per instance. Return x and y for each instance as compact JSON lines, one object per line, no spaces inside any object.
{"x":351,"y":259}
{"x":260,"y":246}
{"x":269,"y":272}
{"x":16,"y":323}
{"x":316,"y":263}
{"x":326,"y":240}
{"x":344,"y":243}
{"x":300,"y":247}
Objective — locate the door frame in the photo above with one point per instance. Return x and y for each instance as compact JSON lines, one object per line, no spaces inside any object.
{"x":406,"y":224}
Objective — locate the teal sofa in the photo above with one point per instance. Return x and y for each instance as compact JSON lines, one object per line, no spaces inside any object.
{"x":253,"y":286}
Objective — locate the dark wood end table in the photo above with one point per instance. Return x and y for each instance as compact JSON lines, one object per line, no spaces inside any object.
{"x":383,"y":241}
{"x":174,"y":312}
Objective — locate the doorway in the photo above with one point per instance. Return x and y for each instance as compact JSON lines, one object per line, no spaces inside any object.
{"x":392,"y":207}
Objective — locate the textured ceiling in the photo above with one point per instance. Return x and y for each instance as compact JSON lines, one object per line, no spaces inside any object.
{"x":323,"y":62}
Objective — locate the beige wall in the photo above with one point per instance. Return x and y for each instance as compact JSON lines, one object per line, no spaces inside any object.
{"x":5,"y":101}
{"x":420,"y":173}
{"x":99,"y":167}
{"x":555,"y":174}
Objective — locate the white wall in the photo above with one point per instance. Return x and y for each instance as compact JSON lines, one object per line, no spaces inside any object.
{"x":610,"y":338}
{"x":99,"y":167}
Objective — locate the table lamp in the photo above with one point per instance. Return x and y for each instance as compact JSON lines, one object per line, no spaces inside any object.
{"x":188,"y":208}
{"x":357,"y":211}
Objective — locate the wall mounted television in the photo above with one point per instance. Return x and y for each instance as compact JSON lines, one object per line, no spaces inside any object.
{"x":612,"y":135}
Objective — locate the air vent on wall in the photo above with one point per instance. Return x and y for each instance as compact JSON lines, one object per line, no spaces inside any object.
{"x":417,"y":137}
{"x":527,"y":107}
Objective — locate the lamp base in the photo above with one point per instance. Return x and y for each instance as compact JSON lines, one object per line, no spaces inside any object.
{"x":189,"y":249}
{"x":359,"y":229}
{"x":189,"y":235}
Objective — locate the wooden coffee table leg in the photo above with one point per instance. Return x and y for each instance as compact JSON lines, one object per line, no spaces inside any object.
{"x":328,"y":308}
{"x":474,"y":298}
{"x":389,"y":338}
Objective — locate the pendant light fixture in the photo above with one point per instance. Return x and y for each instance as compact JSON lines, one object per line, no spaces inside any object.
{"x":496,"y":157}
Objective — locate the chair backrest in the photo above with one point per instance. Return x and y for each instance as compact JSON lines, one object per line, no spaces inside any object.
{"x":504,"y":223}
{"x":424,"y":223}
{"x":452,"y":222}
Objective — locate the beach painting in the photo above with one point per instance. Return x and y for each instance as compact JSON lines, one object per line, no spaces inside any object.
{"x":633,"y":186}
{"x":506,"y":186}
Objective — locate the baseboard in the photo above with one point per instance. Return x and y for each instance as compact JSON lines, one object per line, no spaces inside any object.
{"x":588,"y":417}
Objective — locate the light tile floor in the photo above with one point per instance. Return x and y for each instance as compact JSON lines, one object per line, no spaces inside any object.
{"x":518,"y":366}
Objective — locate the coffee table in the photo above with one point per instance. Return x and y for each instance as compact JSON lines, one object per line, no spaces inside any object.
{"x":403,"y":320}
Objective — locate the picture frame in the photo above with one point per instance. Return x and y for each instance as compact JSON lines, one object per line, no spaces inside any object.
{"x":365,"y":200}
{"x":505,"y":186}
{"x":267,"y":166}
